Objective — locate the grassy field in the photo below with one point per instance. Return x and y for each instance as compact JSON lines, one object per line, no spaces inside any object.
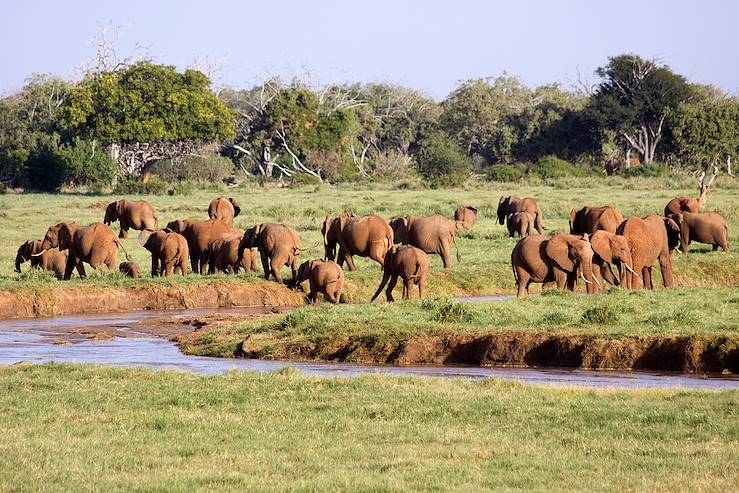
{"x":71,"y":428}
{"x":485,"y":268}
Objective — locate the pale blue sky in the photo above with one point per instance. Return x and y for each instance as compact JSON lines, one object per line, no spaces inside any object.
{"x":427,"y":45}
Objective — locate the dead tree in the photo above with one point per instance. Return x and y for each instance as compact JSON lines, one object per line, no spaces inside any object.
{"x":704,"y":188}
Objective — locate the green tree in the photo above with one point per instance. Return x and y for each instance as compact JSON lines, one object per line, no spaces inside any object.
{"x":442,"y":163}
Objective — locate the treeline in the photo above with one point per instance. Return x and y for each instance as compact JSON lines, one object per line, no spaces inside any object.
{"x":143,"y":120}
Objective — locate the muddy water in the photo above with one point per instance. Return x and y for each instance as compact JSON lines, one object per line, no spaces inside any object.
{"x":128,"y":342}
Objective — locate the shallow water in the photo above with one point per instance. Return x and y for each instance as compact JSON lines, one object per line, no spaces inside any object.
{"x":54,"y":339}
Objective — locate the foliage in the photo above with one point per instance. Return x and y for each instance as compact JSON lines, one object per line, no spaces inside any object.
{"x":706,"y":131}
{"x":553,"y":167}
{"x":208,"y":168}
{"x":506,"y":172}
{"x":45,"y":168}
{"x":646,"y":169}
{"x":442,"y":163}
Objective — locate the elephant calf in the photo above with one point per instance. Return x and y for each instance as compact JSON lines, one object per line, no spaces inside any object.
{"x":704,"y":227}
{"x":521,"y":223}
{"x":49,"y":260}
{"x":466,"y":217}
{"x":169,"y":252}
{"x":130,"y":269}
{"x":325,"y":277}
{"x":224,"y":257}
{"x":225,"y":209}
{"x":410,"y":264}
{"x":26,"y":252}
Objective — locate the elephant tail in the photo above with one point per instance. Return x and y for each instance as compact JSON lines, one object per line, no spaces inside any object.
{"x":454,"y":240}
{"x":125,"y":252}
{"x":385,"y":276}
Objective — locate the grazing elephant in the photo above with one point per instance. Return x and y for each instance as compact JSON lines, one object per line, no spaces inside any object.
{"x":132,"y":214}
{"x":368,"y":236}
{"x":521,"y":223}
{"x":591,"y":219}
{"x":611,"y":249}
{"x":278,"y":246}
{"x":432,"y":234}
{"x":558,"y":259}
{"x":130,"y":269}
{"x":325,"y":277}
{"x":703,"y":227}
{"x":200,"y":235}
{"x":650,"y":239}
{"x":26,"y":252}
{"x":466,"y":216}
{"x":225,"y":209}
{"x":170,"y":252}
{"x":410,"y":264}
{"x":682,"y":204}
{"x":95,"y":244}
{"x":224,"y":257}
{"x":511,"y":204}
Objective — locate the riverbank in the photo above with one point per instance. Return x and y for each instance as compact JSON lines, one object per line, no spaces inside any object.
{"x":684,"y":330}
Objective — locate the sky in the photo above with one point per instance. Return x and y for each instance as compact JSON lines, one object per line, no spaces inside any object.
{"x":427,"y":45}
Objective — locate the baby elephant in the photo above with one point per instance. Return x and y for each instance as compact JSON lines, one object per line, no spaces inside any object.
{"x":703,"y":227}
{"x":325,"y":277}
{"x":26,"y":252}
{"x":130,"y":269}
{"x":410,"y":264}
{"x":49,"y":260}
{"x":522,"y":223}
{"x":169,"y":252}
{"x":224,"y":257}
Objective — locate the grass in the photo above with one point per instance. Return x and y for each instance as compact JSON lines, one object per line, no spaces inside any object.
{"x":710,"y":314}
{"x":485,"y":268}
{"x":75,"y":428}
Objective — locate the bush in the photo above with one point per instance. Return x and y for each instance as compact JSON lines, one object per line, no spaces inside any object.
{"x":442,"y":163}
{"x":45,"y":168}
{"x":646,"y":170}
{"x":600,"y":315}
{"x":208,"y":168}
{"x":506,"y":172}
{"x":88,"y":163}
{"x":303,"y":179}
{"x":446,"y":311}
{"x":553,"y":167}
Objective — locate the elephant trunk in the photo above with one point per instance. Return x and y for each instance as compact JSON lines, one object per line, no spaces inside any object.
{"x":586,"y":272}
{"x":19,"y":259}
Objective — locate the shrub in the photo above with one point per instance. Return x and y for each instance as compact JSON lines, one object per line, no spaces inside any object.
{"x":646,"y":170}
{"x":506,"y":172}
{"x":553,"y":167}
{"x":208,"y":168}
{"x":303,"y":179}
{"x":88,"y":163}
{"x":600,"y":315}
{"x":45,"y":168}
{"x":442,"y":163}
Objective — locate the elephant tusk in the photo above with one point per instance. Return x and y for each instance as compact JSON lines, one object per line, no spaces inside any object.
{"x":39,"y":253}
{"x":583,"y":278}
{"x":630,"y":269}
{"x":596,"y":280}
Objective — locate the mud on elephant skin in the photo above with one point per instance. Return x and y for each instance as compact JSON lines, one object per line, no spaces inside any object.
{"x":26,"y":252}
{"x":650,"y":239}
{"x":466,"y":216}
{"x":611,"y":249}
{"x":369,"y":236}
{"x":521,"y":224}
{"x":132,"y":214}
{"x":200,"y":235}
{"x":432,"y":234}
{"x":130,"y":269}
{"x":324,"y":276}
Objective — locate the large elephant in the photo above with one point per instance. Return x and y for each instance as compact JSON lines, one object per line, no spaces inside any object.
{"x":324,"y":277}
{"x":611,"y":249}
{"x":650,"y":239}
{"x":224,"y":256}
{"x":591,"y":219}
{"x":560,"y":259}
{"x":511,"y":204}
{"x":682,"y":204}
{"x":26,"y":252}
{"x":95,"y":244}
{"x":432,"y":234}
{"x":225,"y":209}
{"x":410,"y":264}
{"x":521,"y":223}
{"x":132,"y":214}
{"x":703,"y":227}
{"x":278,"y":246}
{"x":466,"y":216}
{"x":169,"y":252}
{"x":368,"y":236}
{"x":200,"y":235}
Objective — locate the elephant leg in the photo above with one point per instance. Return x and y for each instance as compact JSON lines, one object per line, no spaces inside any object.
{"x":276,"y":263}
{"x":350,"y":262}
{"x":169,"y":269}
{"x":80,"y":270}
{"x":446,"y":255}
{"x":714,"y":247}
{"x":522,"y":282}
{"x":407,"y":289}
{"x":377,"y":253}
{"x":539,"y":225}
{"x":123,"y":234}
{"x":390,"y":286}
{"x":561,"y":278}
{"x":154,"y":266}
{"x":665,"y":265}
{"x":183,"y":267}
{"x":646,"y":274}
{"x":422,"y":286}
{"x":265,"y":264}
{"x":607,"y":274}
{"x":572,"y":281}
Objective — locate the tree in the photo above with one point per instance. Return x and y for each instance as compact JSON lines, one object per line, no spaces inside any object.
{"x":442,"y":163}
{"x":635,"y":99}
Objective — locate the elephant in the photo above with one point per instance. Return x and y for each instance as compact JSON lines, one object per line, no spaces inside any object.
{"x":432,"y":234}
{"x":467,"y":216}
{"x":130,"y":269}
{"x":169,"y":252}
{"x":522,"y":223}
{"x":703,"y":227}
{"x":132,"y":214}
{"x":224,"y":256}
{"x":650,"y":239}
{"x":368,"y":236}
{"x":324,"y":276}
{"x":278,"y":246}
{"x":225,"y":209}
{"x":26,"y":252}
{"x":410,"y":264}
{"x":591,"y":219}
{"x":559,"y":259}
{"x":512,"y":204}
{"x":200,"y":235}
{"x":682,"y":204}
{"x":611,"y":249}
{"x":95,"y":244}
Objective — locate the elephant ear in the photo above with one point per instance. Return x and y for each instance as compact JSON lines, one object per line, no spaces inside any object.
{"x":119,"y":207}
{"x":144,"y":237}
{"x":65,"y":237}
{"x":503,"y":209}
{"x":558,"y":249}
{"x":601,"y":244}
{"x":237,"y":207}
{"x":573,"y":218}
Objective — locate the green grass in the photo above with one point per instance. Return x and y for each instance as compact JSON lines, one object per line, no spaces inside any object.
{"x":485,"y":268}
{"x":710,"y":314}
{"x":72,"y":428}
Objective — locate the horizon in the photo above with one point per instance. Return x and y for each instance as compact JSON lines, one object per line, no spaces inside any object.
{"x":563,"y":44}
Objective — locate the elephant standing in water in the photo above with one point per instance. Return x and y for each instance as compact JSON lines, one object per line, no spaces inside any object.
{"x":591,"y":219}
{"x":410,"y":264}
{"x":432,"y":234}
{"x":325,"y":277}
{"x":278,"y":245}
{"x":132,"y":214}
{"x":225,"y":209}
{"x":510,"y":205}
{"x":650,"y":239}
{"x":368,"y":236}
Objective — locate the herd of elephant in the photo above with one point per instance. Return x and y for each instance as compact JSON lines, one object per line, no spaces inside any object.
{"x":599,"y":238}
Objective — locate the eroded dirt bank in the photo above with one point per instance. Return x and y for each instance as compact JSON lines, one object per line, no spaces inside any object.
{"x":681,"y":354}
{"x":87,"y":300}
